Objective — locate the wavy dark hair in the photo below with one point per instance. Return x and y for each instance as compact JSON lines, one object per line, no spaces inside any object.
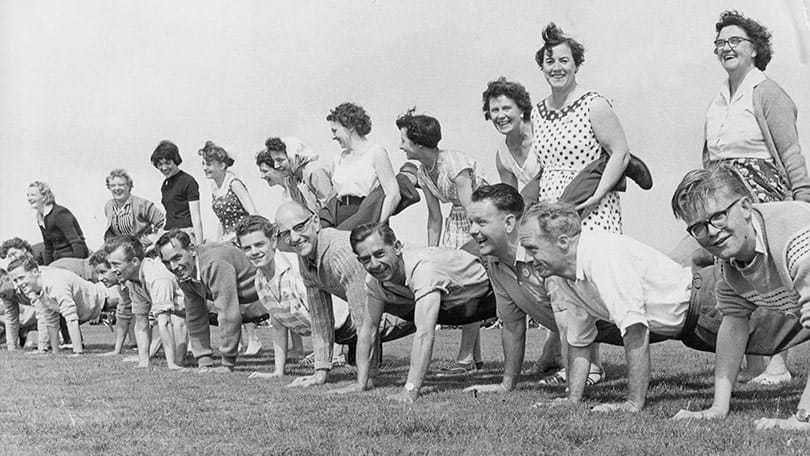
{"x":554,"y":36}
{"x":421,"y":129}
{"x":351,"y":116}
{"x":759,"y":35}
{"x":213,"y":152}
{"x":515,"y":91}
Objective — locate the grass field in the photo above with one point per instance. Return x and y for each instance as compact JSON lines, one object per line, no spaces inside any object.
{"x":57,"y":405}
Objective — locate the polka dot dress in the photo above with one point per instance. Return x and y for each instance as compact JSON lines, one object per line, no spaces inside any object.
{"x":565,"y":143}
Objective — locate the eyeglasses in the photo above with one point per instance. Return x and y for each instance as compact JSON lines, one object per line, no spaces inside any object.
{"x":700,"y":230}
{"x":732,"y":41}
{"x":298,"y":228}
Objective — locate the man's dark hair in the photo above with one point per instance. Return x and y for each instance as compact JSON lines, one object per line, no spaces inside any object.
{"x":132,"y":246}
{"x":362,"y":232}
{"x":253,"y":223}
{"x":503,"y":196}
{"x":27,"y":262}
{"x":15,"y":243}
{"x":177,"y":234}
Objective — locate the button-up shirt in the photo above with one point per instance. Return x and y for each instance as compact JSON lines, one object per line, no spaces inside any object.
{"x":731,"y":127}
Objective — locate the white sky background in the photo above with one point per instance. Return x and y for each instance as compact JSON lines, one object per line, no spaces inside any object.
{"x":87,"y":86}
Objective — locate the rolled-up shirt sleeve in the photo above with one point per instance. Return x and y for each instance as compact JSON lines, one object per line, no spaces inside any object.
{"x":581,"y":327}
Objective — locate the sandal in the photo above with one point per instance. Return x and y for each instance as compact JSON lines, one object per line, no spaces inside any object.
{"x":595,"y":376}
{"x":556,"y":379}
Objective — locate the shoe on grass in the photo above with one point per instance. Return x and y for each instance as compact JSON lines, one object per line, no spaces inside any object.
{"x":460,"y":369}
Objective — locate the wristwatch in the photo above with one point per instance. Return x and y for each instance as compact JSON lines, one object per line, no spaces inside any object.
{"x":802,"y":416}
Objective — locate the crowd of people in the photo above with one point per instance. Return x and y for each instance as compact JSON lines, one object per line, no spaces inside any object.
{"x":545,"y":243}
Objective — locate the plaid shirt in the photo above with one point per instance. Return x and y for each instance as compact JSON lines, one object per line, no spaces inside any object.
{"x":334,"y":271}
{"x":285,"y":296}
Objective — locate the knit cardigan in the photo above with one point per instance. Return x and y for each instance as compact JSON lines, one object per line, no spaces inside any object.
{"x":776,"y":115}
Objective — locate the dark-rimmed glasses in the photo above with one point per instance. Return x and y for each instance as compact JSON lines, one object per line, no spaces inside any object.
{"x":732,"y":41}
{"x":298,"y":228}
{"x":700,"y":230}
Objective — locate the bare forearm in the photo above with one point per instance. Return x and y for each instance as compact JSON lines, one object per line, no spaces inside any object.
{"x":166,"y":331}
{"x":513,"y":336}
{"x":389,"y":204}
{"x":420,"y":355}
{"x":434,"y":232}
{"x":121,"y":330}
{"x":614,"y":169}
{"x":732,"y":337}
{"x":75,"y":336}
{"x":364,"y":342}
{"x":579,"y":363}
{"x":280,"y":347}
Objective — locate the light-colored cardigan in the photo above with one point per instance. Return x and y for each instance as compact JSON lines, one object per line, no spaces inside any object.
{"x":776,"y":116}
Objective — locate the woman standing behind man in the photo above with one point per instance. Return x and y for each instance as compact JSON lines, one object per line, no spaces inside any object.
{"x":751,"y":127}
{"x":572,"y":127}
{"x":445,"y":176}
{"x":231,"y":203}
{"x":61,"y":234}
{"x":128,"y":214}
{"x":360,"y":167}
{"x":509,"y":106}
{"x":180,"y":192}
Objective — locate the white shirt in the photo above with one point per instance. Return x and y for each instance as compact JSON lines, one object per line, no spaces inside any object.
{"x":353,"y":174}
{"x":731,"y":127}
{"x":626,"y":282}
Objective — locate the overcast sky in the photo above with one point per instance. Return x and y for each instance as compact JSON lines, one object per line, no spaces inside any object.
{"x":87,"y":86}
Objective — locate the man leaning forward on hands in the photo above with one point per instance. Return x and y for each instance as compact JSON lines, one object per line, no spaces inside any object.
{"x":765,"y":264}
{"x":494,"y":214}
{"x":220,"y":273}
{"x":425,"y":285}
{"x":328,"y":267}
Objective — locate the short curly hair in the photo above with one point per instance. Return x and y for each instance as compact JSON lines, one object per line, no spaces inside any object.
{"x":166,"y":150}
{"x":554,"y":218}
{"x":44,"y":190}
{"x":212,"y":152}
{"x":554,"y":36}
{"x":515,"y":91}
{"x":15,"y":243}
{"x":123,"y":174}
{"x":253,"y":223}
{"x":759,"y":35}
{"x":351,"y":115}
{"x":421,"y":129}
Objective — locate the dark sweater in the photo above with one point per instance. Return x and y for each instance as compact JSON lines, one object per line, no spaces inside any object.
{"x":62,"y":236}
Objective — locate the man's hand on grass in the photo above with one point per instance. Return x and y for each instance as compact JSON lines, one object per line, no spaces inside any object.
{"x":789,"y":424}
{"x":554,"y":403}
{"x":274,"y":374}
{"x":495,"y":388}
{"x":353,"y":387}
{"x":404,"y":396}
{"x":625,"y":406}
{"x":708,"y":414}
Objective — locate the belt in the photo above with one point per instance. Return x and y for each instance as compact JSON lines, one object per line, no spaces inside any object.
{"x":346,"y":200}
{"x":693,"y":312}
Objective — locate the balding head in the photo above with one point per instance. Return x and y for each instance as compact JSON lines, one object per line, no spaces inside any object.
{"x":298,"y":227}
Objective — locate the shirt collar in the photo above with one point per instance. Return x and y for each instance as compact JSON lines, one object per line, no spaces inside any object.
{"x":759,"y":243}
{"x":754,"y":77}
{"x":581,"y":245}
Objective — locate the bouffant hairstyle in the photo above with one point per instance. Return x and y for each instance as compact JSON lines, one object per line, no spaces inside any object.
{"x":759,"y":35}
{"x":554,"y":36}
{"x":44,"y":190}
{"x":351,"y":116}
{"x":272,"y":144}
{"x":212,"y":152}
{"x":515,"y":91}
{"x":118,"y":172}
{"x":166,"y":150}
{"x":421,"y":129}
{"x":15,"y":243}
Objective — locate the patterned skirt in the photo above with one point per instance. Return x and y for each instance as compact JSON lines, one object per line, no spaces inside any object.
{"x":456,"y":229}
{"x":762,"y":177}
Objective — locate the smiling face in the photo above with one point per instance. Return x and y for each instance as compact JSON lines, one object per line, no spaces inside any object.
{"x":180,"y":261}
{"x":299,"y":230}
{"x":120,"y":188}
{"x":105,"y":274}
{"x":167,"y":167}
{"x":739,"y":58}
{"x":549,"y":256}
{"x":28,"y":282}
{"x":123,"y":267}
{"x":340,"y":134}
{"x":559,"y":68}
{"x":270,"y":175}
{"x":505,"y":114}
{"x":736,"y":238}
{"x":259,"y":249}
{"x":13,"y":253}
{"x":490,"y":227}
{"x":35,"y":198}
{"x":214,"y":169}
{"x":381,"y":260}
